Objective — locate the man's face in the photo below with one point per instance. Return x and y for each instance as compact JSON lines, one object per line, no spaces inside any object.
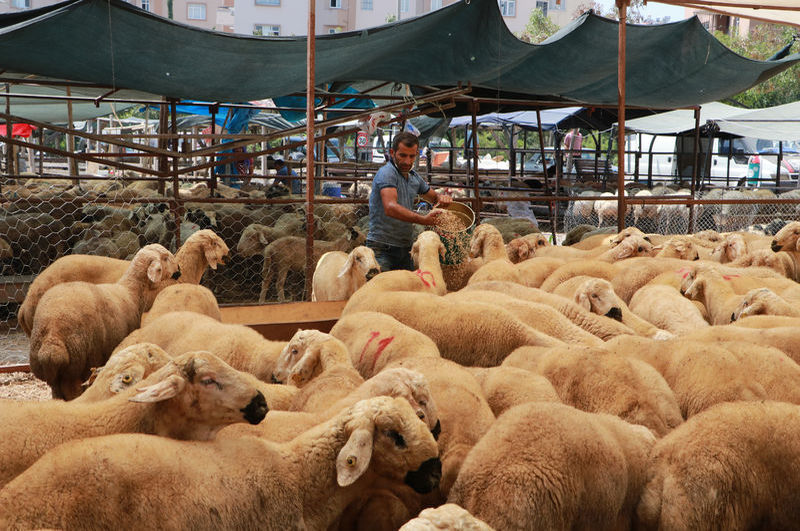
{"x":404,"y":157}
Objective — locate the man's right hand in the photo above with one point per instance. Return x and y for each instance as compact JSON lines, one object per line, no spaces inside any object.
{"x":430,"y":218}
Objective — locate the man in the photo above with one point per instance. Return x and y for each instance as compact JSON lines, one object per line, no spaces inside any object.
{"x":282,"y":170}
{"x":573,"y":145}
{"x":394,"y":188}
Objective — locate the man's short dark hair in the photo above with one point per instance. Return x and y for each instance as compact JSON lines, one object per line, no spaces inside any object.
{"x":406,"y":138}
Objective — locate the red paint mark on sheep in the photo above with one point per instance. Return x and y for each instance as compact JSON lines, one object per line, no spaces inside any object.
{"x":372,"y":335}
{"x":382,"y":344}
{"x":728,"y":277}
{"x":421,"y":274}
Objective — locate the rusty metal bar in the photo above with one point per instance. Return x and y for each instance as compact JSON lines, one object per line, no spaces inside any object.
{"x":310,"y":134}
{"x":476,"y":201}
{"x":622,"y":6}
{"x":696,"y":159}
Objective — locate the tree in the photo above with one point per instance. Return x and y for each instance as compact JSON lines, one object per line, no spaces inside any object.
{"x":634,"y":15}
{"x":539,"y":27}
{"x":761,"y":43}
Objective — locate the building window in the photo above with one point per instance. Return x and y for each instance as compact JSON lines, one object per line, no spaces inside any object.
{"x":267,"y":30}
{"x":508,"y":8}
{"x":436,"y":4}
{"x":21,"y":4}
{"x":557,"y":5}
{"x":366,"y":5}
{"x":146,"y":5}
{"x":268,"y":2}
{"x":542,"y":4}
{"x":196,"y":11}
{"x":336,"y":4}
{"x":332,"y":31}
{"x":404,"y":6}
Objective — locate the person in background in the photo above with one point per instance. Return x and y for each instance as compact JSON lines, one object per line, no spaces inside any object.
{"x":573,"y":144}
{"x":282,"y":170}
{"x":394,"y":188}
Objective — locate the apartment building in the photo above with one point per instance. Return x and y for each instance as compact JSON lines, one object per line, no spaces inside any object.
{"x":201,"y":13}
{"x":289,"y":17}
{"x":723,"y":23}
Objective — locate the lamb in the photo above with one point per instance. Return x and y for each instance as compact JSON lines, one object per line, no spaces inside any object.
{"x":123,"y":369}
{"x":448,"y":516}
{"x":524,"y":247}
{"x":288,"y":253}
{"x":729,"y":249}
{"x":680,"y":247}
{"x":460,"y":330}
{"x":713,"y":290}
{"x":79,"y":323}
{"x":239,"y":346}
{"x":320,"y":365}
{"x":164,"y":488}
{"x":190,"y":398}
{"x":761,"y":301}
{"x":787,"y":240}
{"x":607,"y":209}
{"x":597,"y":381}
{"x":256,"y":236}
{"x":505,"y":387}
{"x":781,"y":262}
{"x":487,"y":243}
{"x":667,"y":309}
{"x":550,"y":466}
{"x":338,"y":275}
{"x":183,"y":297}
{"x":784,"y":338}
{"x":203,"y":249}
{"x":712,"y":473}
{"x":534,"y":271}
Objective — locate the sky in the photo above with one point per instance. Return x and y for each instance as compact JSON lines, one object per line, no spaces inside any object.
{"x":654,"y":9}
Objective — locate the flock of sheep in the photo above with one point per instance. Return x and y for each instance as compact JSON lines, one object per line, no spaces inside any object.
{"x":629,"y":380}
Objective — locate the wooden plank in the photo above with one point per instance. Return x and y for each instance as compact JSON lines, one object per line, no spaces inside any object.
{"x":281,"y":321}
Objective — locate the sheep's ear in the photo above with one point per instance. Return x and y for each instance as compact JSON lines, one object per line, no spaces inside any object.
{"x":582,"y":300}
{"x":348,"y":264}
{"x":301,"y":372}
{"x":523,"y":251}
{"x":354,"y":457}
{"x":209,"y":249}
{"x":624,"y":249}
{"x":442,"y":251}
{"x":476,"y":244}
{"x":163,"y":390}
{"x":263,"y":239}
{"x":154,"y":270}
{"x":415,"y":253}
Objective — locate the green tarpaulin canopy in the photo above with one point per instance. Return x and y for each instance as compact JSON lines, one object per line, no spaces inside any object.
{"x":114,"y":43}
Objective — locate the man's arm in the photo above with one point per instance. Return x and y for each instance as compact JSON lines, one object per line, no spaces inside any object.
{"x":395,"y":210}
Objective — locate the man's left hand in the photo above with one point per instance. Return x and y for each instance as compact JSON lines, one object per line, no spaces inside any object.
{"x":444,"y":200}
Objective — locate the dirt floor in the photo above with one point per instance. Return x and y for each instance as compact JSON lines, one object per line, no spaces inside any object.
{"x":14,"y":348}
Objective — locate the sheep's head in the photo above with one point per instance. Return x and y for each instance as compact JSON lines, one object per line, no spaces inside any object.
{"x":253,"y":240}
{"x":633,"y":245}
{"x":731,"y":248}
{"x":362,"y":261}
{"x":427,"y":240}
{"x":484,"y":235}
{"x":757,"y":301}
{"x":213,"y":248}
{"x":307,"y":354}
{"x":519,"y":250}
{"x":126,"y":368}
{"x":624,"y":234}
{"x":385,"y":435}
{"x":413,"y":386}
{"x":448,"y":516}
{"x":679,"y":247}
{"x":205,"y":394}
{"x":597,"y":296}
{"x":787,"y":238}
{"x":156,"y":262}
{"x":709,"y":235}
{"x":688,"y":274}
{"x":696,"y":289}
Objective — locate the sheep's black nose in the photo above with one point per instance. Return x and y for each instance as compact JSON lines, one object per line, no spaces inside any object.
{"x":437,"y":430}
{"x":372,"y":272}
{"x":426,"y":477}
{"x":256,"y":410}
{"x":776,"y":246}
{"x":615,"y":313}
{"x":733,"y":316}
{"x":176,"y":275}
{"x":274,"y":380}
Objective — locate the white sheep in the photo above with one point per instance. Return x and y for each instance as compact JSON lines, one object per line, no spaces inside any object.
{"x":550,"y":466}
{"x":731,"y":467}
{"x":445,"y":517}
{"x":190,"y":398}
{"x":202,"y":249}
{"x":667,"y":309}
{"x":524,"y":247}
{"x":338,"y":274}
{"x":244,"y":483}
{"x":183,"y":297}
{"x":78,"y":324}
{"x":505,"y":387}
{"x":763,"y":301}
{"x":123,"y":369}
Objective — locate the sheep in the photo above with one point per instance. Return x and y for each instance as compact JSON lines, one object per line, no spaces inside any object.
{"x":190,"y":398}
{"x":79,"y":323}
{"x":594,"y":380}
{"x":288,"y":253}
{"x":257,"y":236}
{"x":597,"y":295}
{"x":550,"y":466}
{"x":763,"y":301}
{"x":730,"y":248}
{"x":646,"y":213}
{"x":715,"y":292}
{"x":539,"y":316}
{"x":183,"y":297}
{"x":524,"y":247}
{"x":781,"y":262}
{"x":448,"y":516}
{"x":667,"y":309}
{"x":598,"y":325}
{"x":245,"y":483}
{"x":320,"y":365}
{"x":460,"y":330}
{"x":784,"y":338}
{"x":590,"y":267}
{"x":731,"y":467}
{"x":123,"y":369}
{"x":699,"y":373}
{"x":376,"y":340}
{"x":121,"y":246}
{"x":487,"y":243}
{"x":203,"y":249}
{"x":767,"y":321}
{"x":338,"y":275}
{"x":607,"y":209}
{"x":534,"y":271}
{"x":787,"y":240}
{"x":505,"y":387}
{"x":680,"y":247}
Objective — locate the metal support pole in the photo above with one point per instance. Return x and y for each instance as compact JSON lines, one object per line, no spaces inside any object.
{"x":72,"y":163}
{"x":622,"y":6}
{"x":177,"y":213}
{"x":9,"y":129}
{"x":476,"y":201}
{"x":310,"y":133}
{"x":696,"y":156}
{"x":551,"y":204}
